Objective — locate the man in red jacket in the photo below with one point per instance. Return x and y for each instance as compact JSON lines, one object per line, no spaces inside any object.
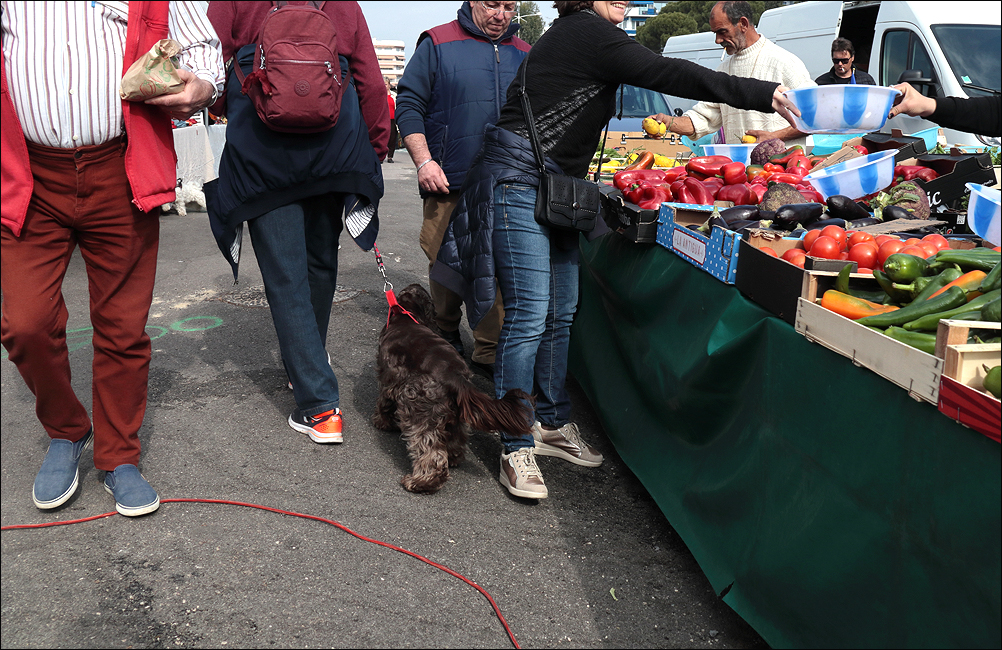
{"x":81,"y":166}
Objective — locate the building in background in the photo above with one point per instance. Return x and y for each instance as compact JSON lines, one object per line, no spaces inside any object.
{"x":637,"y":14}
{"x":390,"y":55}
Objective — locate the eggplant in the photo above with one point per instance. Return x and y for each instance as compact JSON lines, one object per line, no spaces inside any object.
{"x":756,"y":225}
{"x":868,"y":221}
{"x":892,"y":212}
{"x":842,"y":223}
{"x":845,"y":208}
{"x":716,"y":220}
{"x":740,"y":213}
{"x":802,"y":213}
{"x":743,"y":223}
{"x":767,"y":215}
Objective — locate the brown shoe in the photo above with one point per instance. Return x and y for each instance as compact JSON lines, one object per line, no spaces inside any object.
{"x":521,"y":475}
{"x":565,"y":443}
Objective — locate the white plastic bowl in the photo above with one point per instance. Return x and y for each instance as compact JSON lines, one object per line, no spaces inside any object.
{"x":983,"y":212}
{"x":842,"y":108}
{"x":736,"y":152}
{"x":855,"y":178}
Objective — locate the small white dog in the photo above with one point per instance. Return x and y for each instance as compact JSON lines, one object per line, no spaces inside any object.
{"x":190,"y":193}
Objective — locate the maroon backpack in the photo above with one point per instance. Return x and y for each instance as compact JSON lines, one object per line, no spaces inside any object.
{"x":294,"y":85}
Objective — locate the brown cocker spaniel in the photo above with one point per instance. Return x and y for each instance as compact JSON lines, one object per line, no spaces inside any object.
{"x":426,"y":393}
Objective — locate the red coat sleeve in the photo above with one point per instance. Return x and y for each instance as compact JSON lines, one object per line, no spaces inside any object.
{"x":368,"y":79}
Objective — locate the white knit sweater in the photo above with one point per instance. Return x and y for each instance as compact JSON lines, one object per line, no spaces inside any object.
{"x":764,"y":60}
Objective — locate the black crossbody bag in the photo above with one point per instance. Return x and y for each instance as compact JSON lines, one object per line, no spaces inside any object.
{"x":562,"y":201}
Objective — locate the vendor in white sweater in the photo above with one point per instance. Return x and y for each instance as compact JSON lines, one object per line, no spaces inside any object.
{"x":751,"y":55}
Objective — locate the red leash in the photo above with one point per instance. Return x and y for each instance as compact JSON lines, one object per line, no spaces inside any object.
{"x":414,"y":555}
{"x":391,"y":298}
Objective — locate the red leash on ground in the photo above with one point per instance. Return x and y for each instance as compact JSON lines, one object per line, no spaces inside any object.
{"x":438,"y":566}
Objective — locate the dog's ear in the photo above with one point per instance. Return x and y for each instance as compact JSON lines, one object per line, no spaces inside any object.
{"x":416,"y":299}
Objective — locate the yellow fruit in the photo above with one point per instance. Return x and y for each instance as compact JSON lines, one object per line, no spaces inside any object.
{"x":748,"y":139}
{"x":610,"y":163}
{"x":653,"y":127}
{"x":663,"y":130}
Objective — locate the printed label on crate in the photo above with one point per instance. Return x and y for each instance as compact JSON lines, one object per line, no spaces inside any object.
{"x":689,"y":246}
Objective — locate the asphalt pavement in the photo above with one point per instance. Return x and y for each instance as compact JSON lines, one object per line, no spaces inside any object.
{"x":594,"y":565}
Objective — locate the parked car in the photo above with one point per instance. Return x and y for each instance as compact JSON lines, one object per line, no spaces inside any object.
{"x":638,"y":103}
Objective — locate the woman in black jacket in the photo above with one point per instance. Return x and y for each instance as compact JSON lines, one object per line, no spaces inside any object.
{"x":572,"y":76}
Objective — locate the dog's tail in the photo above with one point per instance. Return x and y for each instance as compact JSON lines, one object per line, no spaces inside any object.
{"x":511,"y":414}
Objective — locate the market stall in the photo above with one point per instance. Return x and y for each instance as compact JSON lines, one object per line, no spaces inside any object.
{"x":826,"y":506}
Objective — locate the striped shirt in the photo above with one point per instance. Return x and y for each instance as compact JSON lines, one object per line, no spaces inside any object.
{"x":64,"y":63}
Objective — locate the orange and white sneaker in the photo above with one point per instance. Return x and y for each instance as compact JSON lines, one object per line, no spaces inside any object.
{"x":323,"y":428}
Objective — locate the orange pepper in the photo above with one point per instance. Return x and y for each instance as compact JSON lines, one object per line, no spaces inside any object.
{"x":969,"y":282}
{"x":852,"y":307}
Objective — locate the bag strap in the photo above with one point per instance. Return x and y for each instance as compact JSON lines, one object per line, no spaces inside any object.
{"x":530,"y":124}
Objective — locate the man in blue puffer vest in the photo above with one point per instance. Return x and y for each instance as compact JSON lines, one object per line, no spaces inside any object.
{"x":453,"y":87}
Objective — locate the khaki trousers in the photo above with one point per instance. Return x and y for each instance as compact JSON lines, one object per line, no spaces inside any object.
{"x":437,"y":211}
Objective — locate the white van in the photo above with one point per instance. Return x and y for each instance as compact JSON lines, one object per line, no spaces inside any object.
{"x":942,"y":48}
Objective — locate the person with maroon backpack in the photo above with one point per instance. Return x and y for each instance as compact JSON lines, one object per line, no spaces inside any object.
{"x":307,"y":127}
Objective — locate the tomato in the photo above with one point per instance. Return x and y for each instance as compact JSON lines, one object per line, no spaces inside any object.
{"x":939,"y":240}
{"x":888,"y":248}
{"x":836,"y":233}
{"x":864,"y":255}
{"x":929,"y":247}
{"x":860,"y":238}
{"x":798,"y":260}
{"x":792,"y":253}
{"x":912,"y":241}
{"x":809,"y":238}
{"x":913,"y":250}
{"x":825,"y":248}
{"x":843,"y":255}
{"x":863,"y":269}
{"x":769,"y":251}
{"x":882,"y":238}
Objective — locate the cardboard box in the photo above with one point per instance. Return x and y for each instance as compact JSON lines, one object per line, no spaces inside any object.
{"x":955,"y":171}
{"x":775,"y":284}
{"x":716,"y":254}
{"x":917,"y":372}
{"x":907,"y":146}
{"x":670,"y":145}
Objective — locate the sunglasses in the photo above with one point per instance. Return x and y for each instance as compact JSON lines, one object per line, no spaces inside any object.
{"x":842,"y":61}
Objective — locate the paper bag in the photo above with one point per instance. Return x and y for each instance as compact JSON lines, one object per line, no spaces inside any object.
{"x":154,"y":73}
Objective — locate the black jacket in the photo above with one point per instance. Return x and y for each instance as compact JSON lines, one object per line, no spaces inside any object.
{"x":830,"y":78}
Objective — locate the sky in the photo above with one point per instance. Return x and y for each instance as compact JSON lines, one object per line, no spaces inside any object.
{"x":404,"y":21}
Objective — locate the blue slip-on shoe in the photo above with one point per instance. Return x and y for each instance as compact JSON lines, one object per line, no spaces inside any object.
{"x":59,"y":475}
{"x":134,"y":496}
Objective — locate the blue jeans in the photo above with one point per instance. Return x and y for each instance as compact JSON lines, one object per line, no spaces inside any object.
{"x":296,"y":249}
{"x":539,"y":286}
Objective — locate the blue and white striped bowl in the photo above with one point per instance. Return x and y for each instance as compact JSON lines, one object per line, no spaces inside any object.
{"x":855,"y":178}
{"x":842,"y":108}
{"x":983,"y":212}
{"x":736,"y":152}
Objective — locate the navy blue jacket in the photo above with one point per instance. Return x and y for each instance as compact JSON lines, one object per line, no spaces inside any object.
{"x":453,"y":86}
{"x":261,"y":169}
{"x":466,"y":259}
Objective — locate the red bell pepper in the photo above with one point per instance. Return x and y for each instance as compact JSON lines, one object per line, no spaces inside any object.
{"x":798,"y":162}
{"x":815,"y":160}
{"x":699,"y":190}
{"x":812,"y":195}
{"x":910,"y":172}
{"x":758,"y":191}
{"x":861,"y":149}
{"x":733,"y":173}
{"x":783,"y":158}
{"x":653,"y":197}
{"x":713,"y":184}
{"x":697,"y":175}
{"x":709,"y":165}
{"x":635,"y":192}
{"x":624,"y":179}
{"x":676,"y":187}
{"x":792,"y":179}
{"x":753,"y":171}
{"x":797,"y":171}
{"x":773,"y":167}
{"x":675,"y":173}
{"x":684,"y":195}
{"x":739,"y":194}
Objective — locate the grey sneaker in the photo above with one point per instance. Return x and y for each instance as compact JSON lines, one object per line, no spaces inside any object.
{"x":521,"y":475}
{"x":565,"y":443}
{"x":59,"y":475}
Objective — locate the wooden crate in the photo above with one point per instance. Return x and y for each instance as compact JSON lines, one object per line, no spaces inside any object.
{"x":917,"y":372}
{"x":961,"y":396}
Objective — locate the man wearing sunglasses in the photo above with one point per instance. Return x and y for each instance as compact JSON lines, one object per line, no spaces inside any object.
{"x":843,"y":71}
{"x":452,"y":88}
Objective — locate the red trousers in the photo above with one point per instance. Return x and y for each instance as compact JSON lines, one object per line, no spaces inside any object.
{"x":82,"y":197}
